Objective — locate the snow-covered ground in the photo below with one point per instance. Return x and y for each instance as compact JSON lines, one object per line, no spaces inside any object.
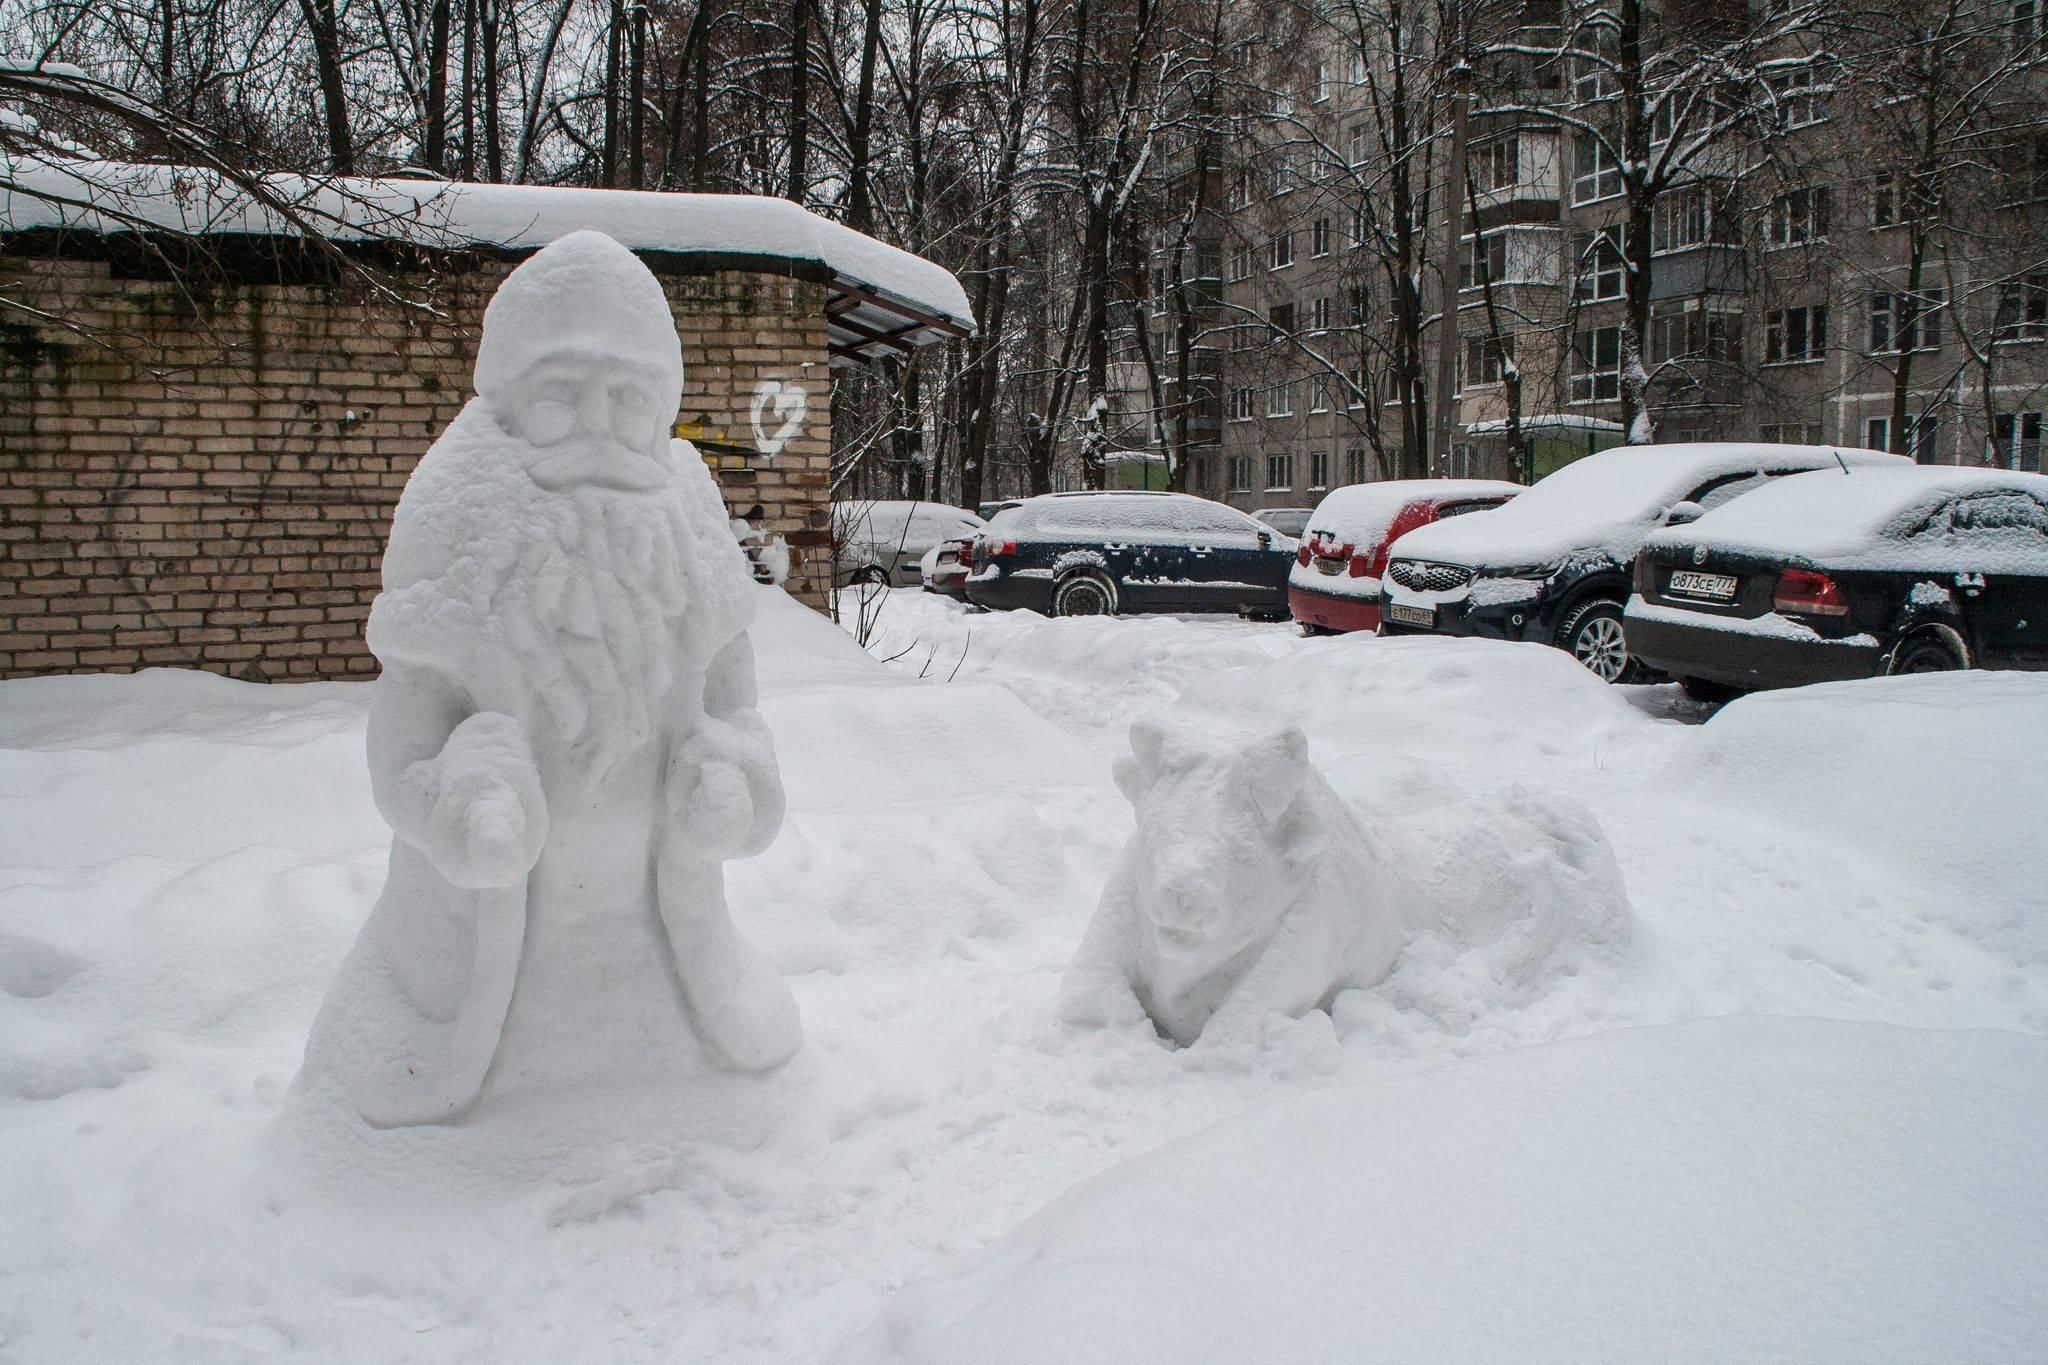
{"x":184,"y":860}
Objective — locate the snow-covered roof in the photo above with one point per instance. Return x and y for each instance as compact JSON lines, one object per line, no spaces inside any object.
{"x":1879,"y":519}
{"x":883,"y":299}
{"x":1608,"y":500}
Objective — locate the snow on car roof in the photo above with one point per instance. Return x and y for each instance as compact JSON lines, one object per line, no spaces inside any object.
{"x":873,"y":283}
{"x":1880,"y":518}
{"x":1361,"y":512}
{"x":1607,"y":500}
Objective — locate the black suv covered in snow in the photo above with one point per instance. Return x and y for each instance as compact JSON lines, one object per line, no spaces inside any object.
{"x":1101,"y":554}
{"x":1556,"y":564}
{"x":1825,"y":577}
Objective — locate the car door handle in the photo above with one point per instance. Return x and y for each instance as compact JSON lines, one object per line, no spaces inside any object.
{"x":1115,"y":545}
{"x":1199,"y":549}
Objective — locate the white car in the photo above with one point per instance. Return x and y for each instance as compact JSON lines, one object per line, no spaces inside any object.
{"x":883,"y":541}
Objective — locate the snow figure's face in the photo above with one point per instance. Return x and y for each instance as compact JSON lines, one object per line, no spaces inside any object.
{"x":1214,"y":858}
{"x":585,"y":423}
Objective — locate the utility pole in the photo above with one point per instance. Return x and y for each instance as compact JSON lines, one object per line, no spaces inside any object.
{"x":1454,"y":190}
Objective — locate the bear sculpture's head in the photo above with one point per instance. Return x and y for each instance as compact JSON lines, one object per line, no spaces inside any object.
{"x":1227,"y":839}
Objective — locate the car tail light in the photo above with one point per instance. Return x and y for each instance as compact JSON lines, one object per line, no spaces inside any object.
{"x":967,"y":554}
{"x":1301,"y":555}
{"x":1361,"y":567}
{"x":1806,"y":593}
{"x":1642,"y":575}
{"x":1001,"y":547}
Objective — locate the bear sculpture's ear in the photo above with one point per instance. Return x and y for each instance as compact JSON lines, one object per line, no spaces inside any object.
{"x":1276,"y":766}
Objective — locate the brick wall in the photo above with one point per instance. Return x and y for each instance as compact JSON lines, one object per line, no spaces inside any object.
{"x":204,"y":478}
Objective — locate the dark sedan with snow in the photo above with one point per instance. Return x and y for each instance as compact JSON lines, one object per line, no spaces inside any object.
{"x":1553,"y":566}
{"x":1105,"y":554}
{"x":1828,"y":576}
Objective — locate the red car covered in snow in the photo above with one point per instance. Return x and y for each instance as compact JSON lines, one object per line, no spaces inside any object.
{"x":1335,"y":583}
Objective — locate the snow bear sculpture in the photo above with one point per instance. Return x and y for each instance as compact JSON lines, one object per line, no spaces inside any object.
{"x":1250,"y":886}
{"x":564,"y":738}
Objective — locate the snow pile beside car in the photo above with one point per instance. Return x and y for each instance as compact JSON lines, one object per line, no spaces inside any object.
{"x":1741,"y":1189}
{"x":1936,"y":777}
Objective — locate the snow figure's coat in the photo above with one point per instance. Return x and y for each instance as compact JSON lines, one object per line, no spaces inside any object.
{"x":564,"y":738}
{"x":1249,"y":886}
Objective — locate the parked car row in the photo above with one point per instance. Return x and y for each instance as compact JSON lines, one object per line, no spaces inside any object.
{"x":1727,"y":566}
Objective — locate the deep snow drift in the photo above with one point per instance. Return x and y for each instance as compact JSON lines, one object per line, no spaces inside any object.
{"x":186,"y":860}
{"x":1724,"y":1190}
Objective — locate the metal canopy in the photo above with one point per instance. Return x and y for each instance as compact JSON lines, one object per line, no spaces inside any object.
{"x":864,"y":324}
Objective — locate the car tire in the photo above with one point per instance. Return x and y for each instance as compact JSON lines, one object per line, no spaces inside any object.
{"x":1084,"y":593}
{"x":1924,"y":652}
{"x":873,"y":573}
{"x":1592,"y":634}
{"x":1712,"y":693}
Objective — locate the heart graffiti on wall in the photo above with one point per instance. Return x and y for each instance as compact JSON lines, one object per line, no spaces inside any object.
{"x":783,"y":405}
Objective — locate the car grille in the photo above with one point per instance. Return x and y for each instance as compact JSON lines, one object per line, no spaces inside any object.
{"x":1418,"y":576}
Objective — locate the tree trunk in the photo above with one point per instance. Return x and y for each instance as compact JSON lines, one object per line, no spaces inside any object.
{"x":636,"y":91}
{"x":799,"y":99}
{"x":860,"y":209}
{"x":434,"y":145}
{"x":324,"y":27}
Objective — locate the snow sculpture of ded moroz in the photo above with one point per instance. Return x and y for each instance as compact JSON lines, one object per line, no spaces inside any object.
{"x":1249,"y":887}
{"x":564,"y":738}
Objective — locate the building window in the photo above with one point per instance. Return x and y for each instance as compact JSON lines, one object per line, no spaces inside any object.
{"x":1802,"y":100}
{"x":1283,"y":251}
{"x":2017,"y":436}
{"x":2028,"y":31}
{"x":1319,"y":469}
{"x":1319,"y":314}
{"x":1319,"y":238}
{"x":1497,"y":165}
{"x":1357,"y":227}
{"x":1198,"y":475}
{"x":1358,"y":143}
{"x":1241,"y":265}
{"x":1319,"y":394}
{"x":1486,"y":360}
{"x":1884,"y":200}
{"x":1600,"y":273}
{"x":1354,"y":465}
{"x":1596,"y":366}
{"x":2023,"y":309}
{"x":1241,"y":401}
{"x":1483,"y":261}
{"x":1355,"y":391}
{"x":1682,"y":219}
{"x":1797,"y":217}
{"x":1923,"y":437}
{"x":1596,"y":175}
{"x":1245,"y":336}
{"x":1691,"y":331}
{"x":1240,"y":473}
{"x":1906,"y":322}
{"x":1791,"y":433}
{"x":1319,"y":83}
{"x":1279,"y":473}
{"x":1593,"y":64}
{"x":1280,"y":401}
{"x":1794,"y":335}
{"x":1281,"y":318}
{"x":1241,"y":188}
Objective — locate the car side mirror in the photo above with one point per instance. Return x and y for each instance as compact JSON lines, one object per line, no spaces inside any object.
{"x":1265,"y":540}
{"x":1682,"y":513}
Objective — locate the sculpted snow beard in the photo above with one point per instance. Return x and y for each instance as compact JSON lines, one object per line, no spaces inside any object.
{"x":589,"y":608}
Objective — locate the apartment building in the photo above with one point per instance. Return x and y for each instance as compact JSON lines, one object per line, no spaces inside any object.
{"x":1809,"y":278}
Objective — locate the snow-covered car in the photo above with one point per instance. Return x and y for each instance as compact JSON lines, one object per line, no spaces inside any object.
{"x":883,"y":541}
{"x":1288,"y":521}
{"x":1335,"y":583}
{"x":1102,"y":554}
{"x":1556,"y":565}
{"x":1830,"y":576}
{"x":945,"y":566}
{"x":989,"y":509}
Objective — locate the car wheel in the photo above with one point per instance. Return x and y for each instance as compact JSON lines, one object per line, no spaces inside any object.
{"x":1592,"y":634}
{"x":1699,"y":689}
{"x":1084,"y":594}
{"x":1926,"y":652}
{"x":873,"y":573}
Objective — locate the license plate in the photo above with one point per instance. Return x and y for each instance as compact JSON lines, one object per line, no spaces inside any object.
{"x":1718,"y":587}
{"x":1411,"y":616}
